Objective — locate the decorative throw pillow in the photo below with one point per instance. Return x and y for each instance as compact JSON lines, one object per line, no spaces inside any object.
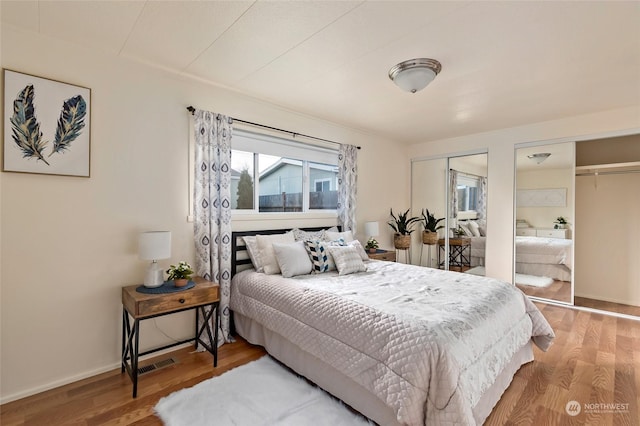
{"x":465,"y":229}
{"x":301,"y":235}
{"x":254,"y":252}
{"x":347,"y":259}
{"x":359,"y":249}
{"x":267,"y":255}
{"x":292,"y":259}
{"x":474,"y":228}
{"x":332,"y":236}
{"x":321,"y":259}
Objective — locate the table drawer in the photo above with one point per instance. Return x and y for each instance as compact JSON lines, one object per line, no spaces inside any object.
{"x":525,"y":232}
{"x":552,"y":233}
{"x":177,"y":301}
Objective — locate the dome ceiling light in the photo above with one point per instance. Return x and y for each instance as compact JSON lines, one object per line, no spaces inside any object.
{"x":415,"y":74}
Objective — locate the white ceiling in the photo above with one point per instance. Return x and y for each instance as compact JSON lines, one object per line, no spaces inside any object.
{"x":504,"y":63}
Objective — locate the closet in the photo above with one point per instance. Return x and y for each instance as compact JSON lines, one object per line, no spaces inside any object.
{"x":607,"y":224}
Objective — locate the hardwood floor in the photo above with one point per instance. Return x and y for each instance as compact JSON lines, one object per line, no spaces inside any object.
{"x":595,"y":359}
{"x":607,"y":306}
{"x":558,"y":290}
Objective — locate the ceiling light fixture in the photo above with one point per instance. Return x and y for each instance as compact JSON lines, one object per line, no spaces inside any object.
{"x":539,"y":157}
{"x":415,"y":74}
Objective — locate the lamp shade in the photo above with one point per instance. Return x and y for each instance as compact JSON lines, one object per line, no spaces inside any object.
{"x":371,"y":229}
{"x":154,"y":245}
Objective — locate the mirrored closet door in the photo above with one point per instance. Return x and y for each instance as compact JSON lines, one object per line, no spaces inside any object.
{"x":454,"y":191}
{"x":544,"y":217}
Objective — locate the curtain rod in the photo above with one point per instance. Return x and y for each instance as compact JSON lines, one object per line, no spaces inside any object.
{"x":191,"y":109}
{"x":467,"y":174}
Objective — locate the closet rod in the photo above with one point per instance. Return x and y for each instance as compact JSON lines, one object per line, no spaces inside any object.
{"x":191,"y":109}
{"x":612,"y":172}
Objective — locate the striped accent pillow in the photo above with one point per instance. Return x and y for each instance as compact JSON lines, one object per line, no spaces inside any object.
{"x":347,"y":259}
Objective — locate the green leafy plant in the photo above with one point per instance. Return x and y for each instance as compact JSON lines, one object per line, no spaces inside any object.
{"x":459,"y":232}
{"x":402,"y":224}
{"x":561,"y":220}
{"x":429,"y":221}
{"x":372,"y":244}
{"x":180,"y":272}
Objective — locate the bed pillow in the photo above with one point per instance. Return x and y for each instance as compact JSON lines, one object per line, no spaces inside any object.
{"x":254,"y":252}
{"x":332,"y":236}
{"x":347,"y":259}
{"x":292,"y":259}
{"x":474,"y":228}
{"x":267,"y":255}
{"x":318,"y":252}
{"x":359,"y":249}
{"x":465,"y":229}
{"x":300,"y":235}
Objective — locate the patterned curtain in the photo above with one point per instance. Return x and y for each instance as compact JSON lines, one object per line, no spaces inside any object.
{"x":212,"y":207}
{"x":453,"y":194}
{"x":482,"y":198}
{"x":347,"y":186}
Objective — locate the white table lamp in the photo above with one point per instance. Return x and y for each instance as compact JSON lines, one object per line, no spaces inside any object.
{"x":153,"y":246}
{"x":371,"y":229}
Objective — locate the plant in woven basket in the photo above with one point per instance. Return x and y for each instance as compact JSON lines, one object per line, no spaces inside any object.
{"x":181,"y":272}
{"x":430,"y":225}
{"x":429,"y":221}
{"x":403,"y":227}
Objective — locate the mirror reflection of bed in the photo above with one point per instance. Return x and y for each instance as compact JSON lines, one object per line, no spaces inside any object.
{"x":544,"y":219}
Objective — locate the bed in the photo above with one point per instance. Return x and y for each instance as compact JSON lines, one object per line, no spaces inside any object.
{"x":544,"y":257}
{"x":402,"y":344}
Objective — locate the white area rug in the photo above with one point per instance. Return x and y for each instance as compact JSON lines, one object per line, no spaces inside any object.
{"x":522,"y":279}
{"x":261,"y":392}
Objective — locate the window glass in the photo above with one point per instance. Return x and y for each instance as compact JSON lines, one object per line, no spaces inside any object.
{"x":277,"y":175}
{"x":323,"y":193}
{"x":242,"y":177}
{"x":280,"y":184}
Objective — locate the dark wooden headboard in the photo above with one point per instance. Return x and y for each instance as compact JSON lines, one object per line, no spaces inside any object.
{"x":239,"y":255}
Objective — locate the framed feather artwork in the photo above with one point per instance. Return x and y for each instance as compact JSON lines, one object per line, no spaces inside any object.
{"x":47,"y":126}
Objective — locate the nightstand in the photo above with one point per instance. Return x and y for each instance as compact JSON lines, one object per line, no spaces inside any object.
{"x":389,"y":256}
{"x":140,"y":306}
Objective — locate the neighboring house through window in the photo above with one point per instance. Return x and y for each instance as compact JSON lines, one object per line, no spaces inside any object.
{"x":280,"y":175}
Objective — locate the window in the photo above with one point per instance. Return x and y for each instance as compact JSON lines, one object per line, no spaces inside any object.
{"x":467,"y":187}
{"x":278,"y":175}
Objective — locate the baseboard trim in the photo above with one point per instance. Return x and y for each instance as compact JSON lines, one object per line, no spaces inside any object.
{"x":85,"y":375}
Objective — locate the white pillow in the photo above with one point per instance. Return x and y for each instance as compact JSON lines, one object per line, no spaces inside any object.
{"x":346,"y":235}
{"x":254,"y":252}
{"x":292,"y":259}
{"x":301,"y":235}
{"x":347,"y":259}
{"x":267,"y":255}
{"x":465,"y":228}
{"x":474,"y":228}
{"x":359,"y":249}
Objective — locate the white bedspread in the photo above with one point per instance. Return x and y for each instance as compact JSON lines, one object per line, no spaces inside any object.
{"x":549,"y":251}
{"x":427,"y":342}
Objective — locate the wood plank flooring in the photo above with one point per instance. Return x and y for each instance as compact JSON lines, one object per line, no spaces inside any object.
{"x":558,"y":290}
{"x":595,"y":359}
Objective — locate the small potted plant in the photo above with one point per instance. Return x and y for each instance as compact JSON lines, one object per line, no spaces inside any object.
{"x":180,"y":274}
{"x":372,"y":245}
{"x":403,"y":227}
{"x":458,"y":232}
{"x":560,"y":223}
{"x":430,"y":225}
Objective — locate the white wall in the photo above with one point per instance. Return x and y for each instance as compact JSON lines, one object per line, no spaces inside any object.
{"x":69,"y":244}
{"x":501,"y":145}
{"x":608,"y":238}
{"x":544,"y":217}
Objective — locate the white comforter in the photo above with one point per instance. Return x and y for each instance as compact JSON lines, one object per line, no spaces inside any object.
{"x":548,"y":251}
{"x":427,"y":342}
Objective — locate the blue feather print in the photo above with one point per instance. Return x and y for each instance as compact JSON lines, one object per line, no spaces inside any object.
{"x":70,"y":123}
{"x":25,"y":126}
